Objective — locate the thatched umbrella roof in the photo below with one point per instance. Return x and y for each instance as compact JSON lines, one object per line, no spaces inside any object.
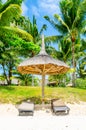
{"x":42,"y":64}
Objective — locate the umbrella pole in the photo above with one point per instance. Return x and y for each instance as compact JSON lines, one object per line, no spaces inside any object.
{"x":43,"y":84}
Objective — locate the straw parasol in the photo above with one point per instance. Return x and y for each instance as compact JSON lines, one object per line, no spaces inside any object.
{"x":42,"y":64}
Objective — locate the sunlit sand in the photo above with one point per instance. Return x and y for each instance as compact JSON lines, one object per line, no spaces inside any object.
{"x":43,"y":119}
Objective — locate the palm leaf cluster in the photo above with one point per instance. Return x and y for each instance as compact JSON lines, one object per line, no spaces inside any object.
{"x":31,"y":27}
{"x":8,"y":12}
{"x":71,"y":25}
{"x":72,"y":18}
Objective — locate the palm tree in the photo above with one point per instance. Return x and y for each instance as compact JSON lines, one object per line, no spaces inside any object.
{"x":71,"y":24}
{"x":81,"y":59}
{"x":32,"y":29}
{"x":8,"y":11}
{"x":24,"y":79}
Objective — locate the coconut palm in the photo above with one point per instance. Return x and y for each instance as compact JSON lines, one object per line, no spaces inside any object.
{"x":71,"y":23}
{"x":8,"y":11}
{"x":32,"y":29}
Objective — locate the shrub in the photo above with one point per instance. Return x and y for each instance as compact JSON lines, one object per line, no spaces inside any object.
{"x":81,"y":83}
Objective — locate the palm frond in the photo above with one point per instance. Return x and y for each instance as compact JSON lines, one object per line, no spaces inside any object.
{"x":65,"y":6}
{"x":9,"y":13}
{"x":56,"y":25}
{"x":21,"y":33}
{"x":44,"y":27}
{"x":80,"y":13}
{"x":61,"y":21}
{"x":8,"y":2}
{"x":53,"y":39}
{"x":84,"y":30}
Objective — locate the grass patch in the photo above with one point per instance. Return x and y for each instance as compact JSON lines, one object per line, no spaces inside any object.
{"x":17,"y":94}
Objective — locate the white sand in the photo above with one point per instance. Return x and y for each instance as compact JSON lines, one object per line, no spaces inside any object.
{"x":43,"y":119}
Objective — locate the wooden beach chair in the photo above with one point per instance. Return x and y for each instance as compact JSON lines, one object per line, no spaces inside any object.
{"x":58,"y":107}
{"x":26,"y":109}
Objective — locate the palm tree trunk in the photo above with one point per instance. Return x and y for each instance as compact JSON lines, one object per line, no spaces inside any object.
{"x":32,"y":74}
{"x":6,"y":78}
{"x":73,"y":63}
{"x":26,"y":83}
{"x":10,"y":72}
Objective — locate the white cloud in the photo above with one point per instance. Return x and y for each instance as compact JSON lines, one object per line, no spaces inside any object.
{"x":49,"y":6}
{"x":24,"y":9}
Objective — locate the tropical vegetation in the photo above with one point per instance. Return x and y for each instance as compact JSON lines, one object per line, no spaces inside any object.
{"x":21,"y":38}
{"x":14,"y":42}
{"x":71,"y":25}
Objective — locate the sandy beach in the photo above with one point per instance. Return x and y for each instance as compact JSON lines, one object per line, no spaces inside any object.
{"x":43,"y":119}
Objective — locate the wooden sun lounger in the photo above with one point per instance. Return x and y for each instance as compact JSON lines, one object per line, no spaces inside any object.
{"x":26,"y":109}
{"x":61,"y":110}
{"x":59,"y":107}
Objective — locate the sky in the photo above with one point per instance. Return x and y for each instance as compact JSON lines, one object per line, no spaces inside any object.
{"x":40,"y":8}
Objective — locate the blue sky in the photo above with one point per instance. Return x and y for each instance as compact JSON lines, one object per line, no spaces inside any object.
{"x":40,"y":8}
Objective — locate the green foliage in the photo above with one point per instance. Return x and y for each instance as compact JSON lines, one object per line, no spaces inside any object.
{"x":8,"y":12}
{"x":31,"y":27}
{"x":54,"y":39}
{"x":82,"y":66}
{"x":10,"y":31}
{"x":26,"y":79}
{"x":8,"y":2}
{"x":2,"y":78}
{"x":11,"y":48}
{"x":16,"y":1}
{"x":81,"y":83}
{"x":60,"y":79}
{"x":7,"y":16}
{"x":11,"y":39}
{"x":14,"y":42}
{"x":70,"y":24}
